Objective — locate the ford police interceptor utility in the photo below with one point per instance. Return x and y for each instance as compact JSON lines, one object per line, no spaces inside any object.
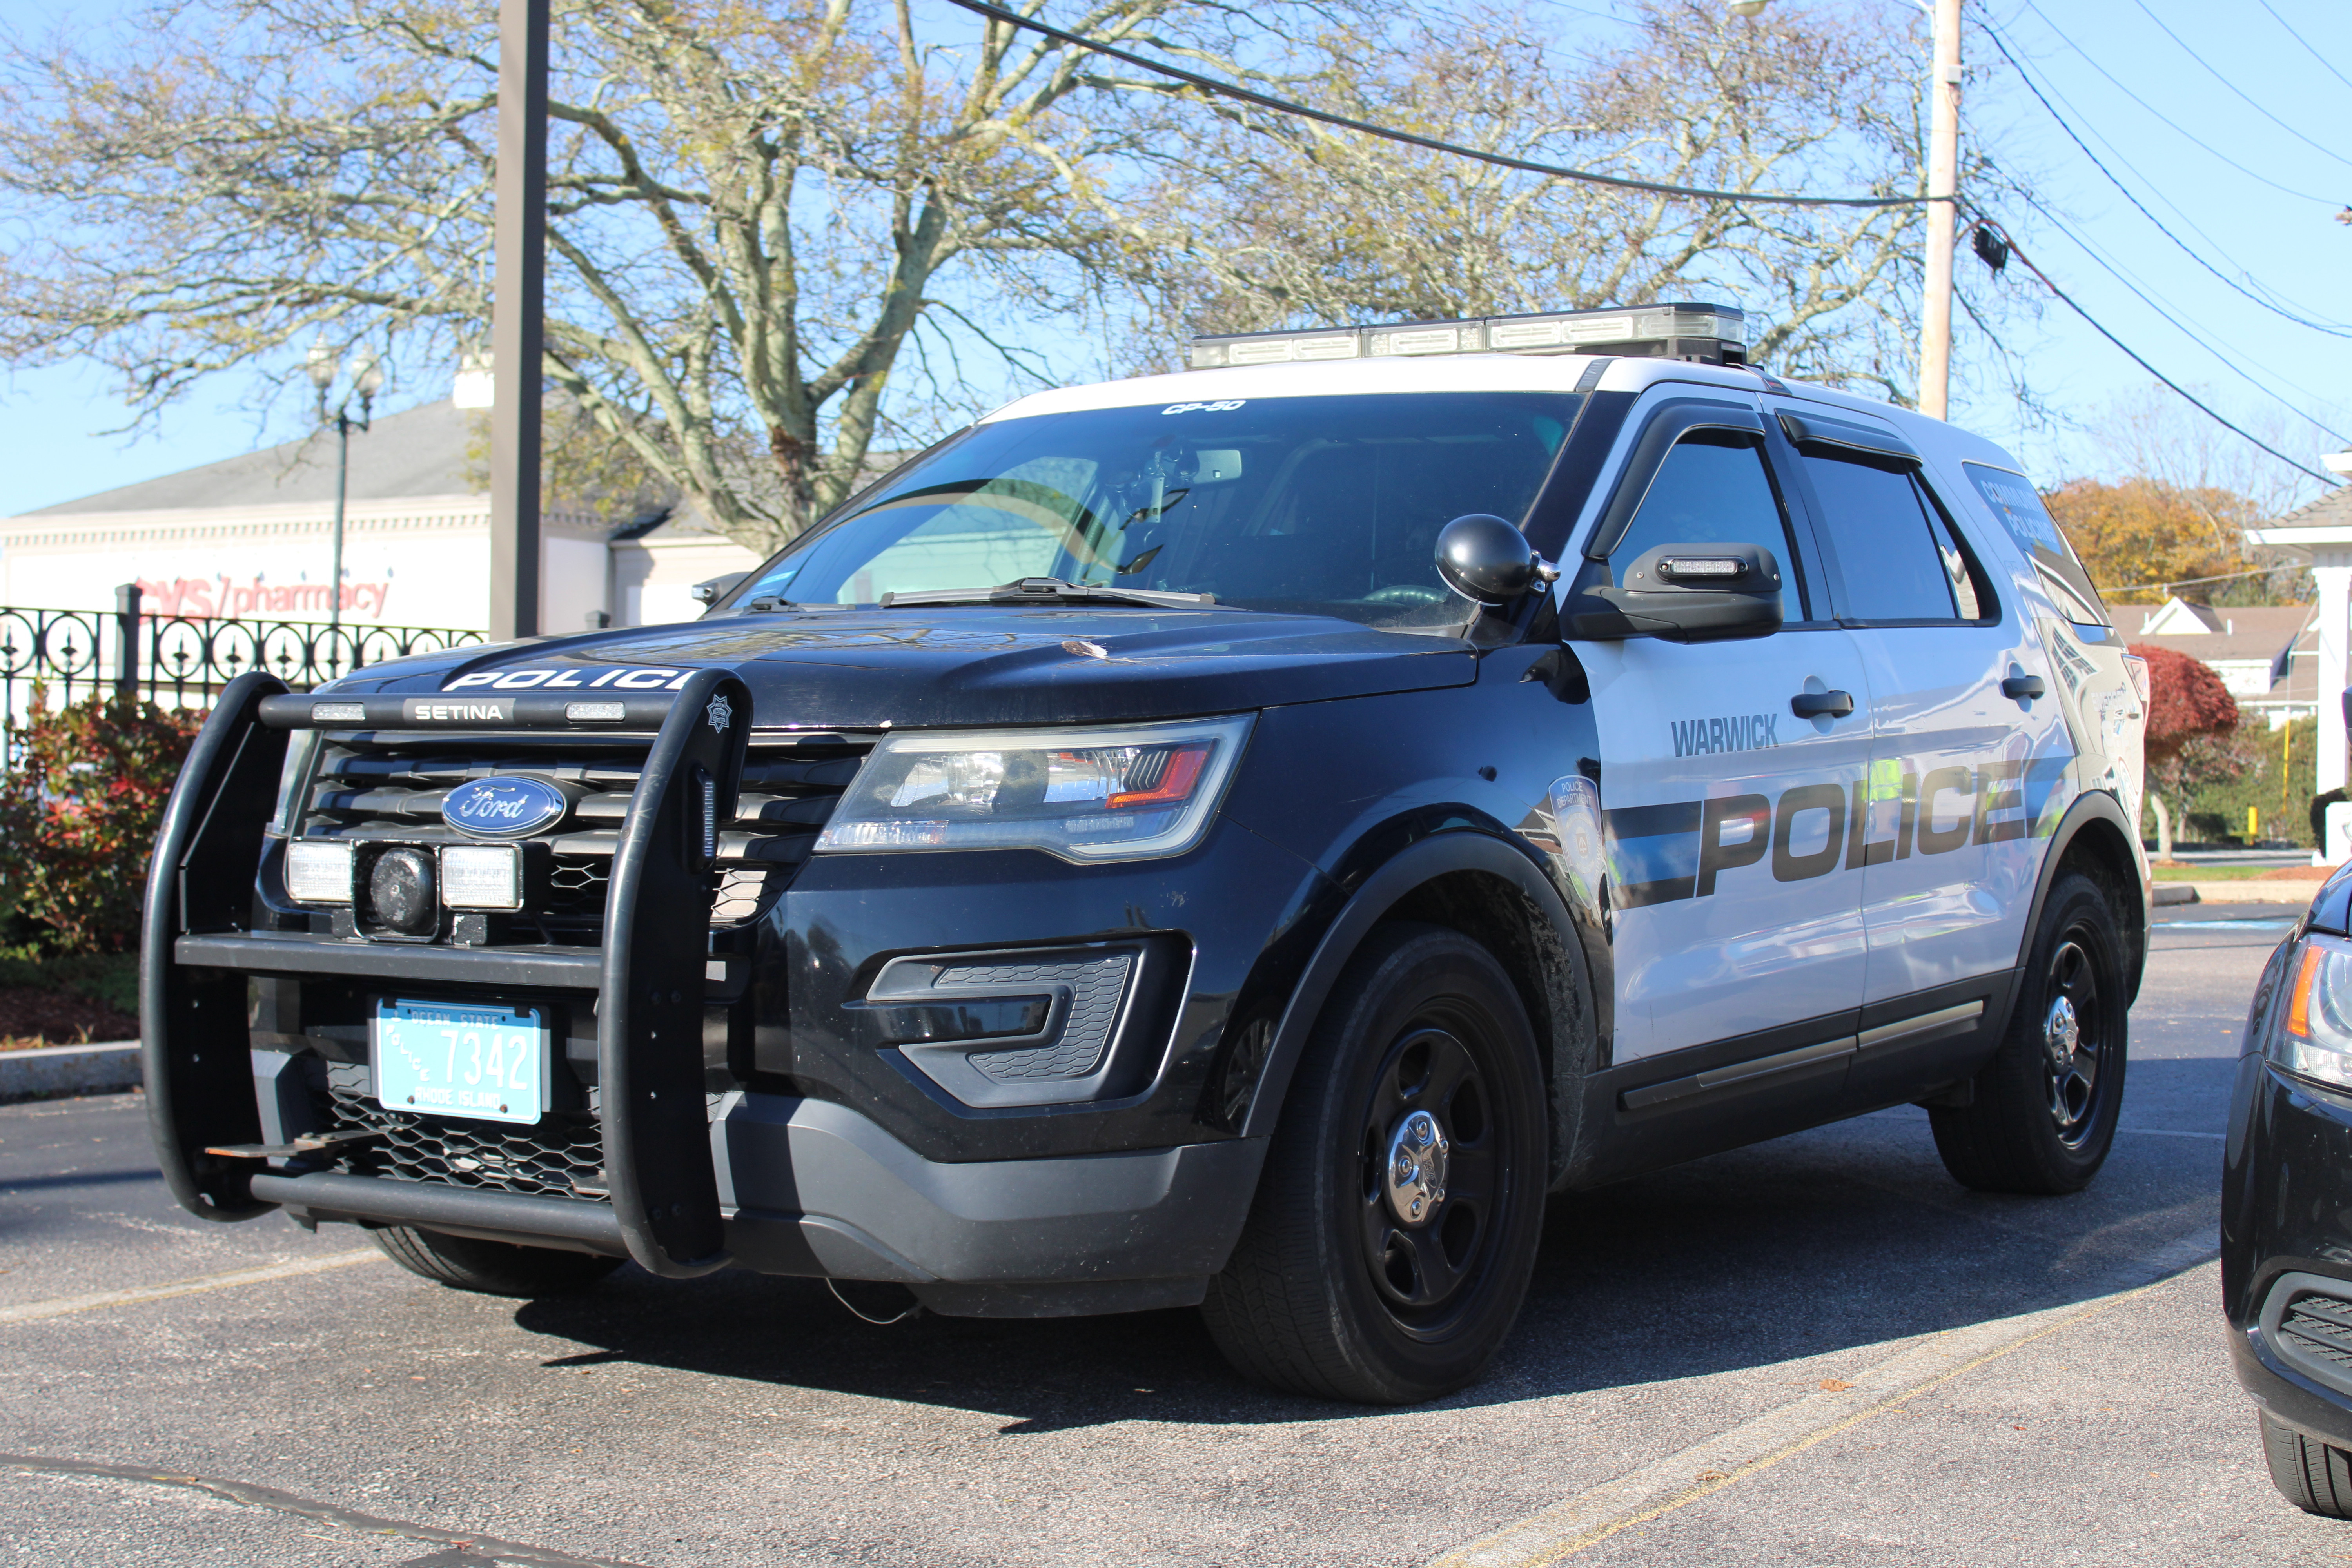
{"x":1183,"y":840}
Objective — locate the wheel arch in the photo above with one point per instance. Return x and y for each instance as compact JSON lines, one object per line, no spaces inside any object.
{"x":2095,"y":836}
{"x":1482,"y":886}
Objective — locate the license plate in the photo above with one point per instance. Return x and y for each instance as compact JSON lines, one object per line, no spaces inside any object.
{"x":451,"y":1059}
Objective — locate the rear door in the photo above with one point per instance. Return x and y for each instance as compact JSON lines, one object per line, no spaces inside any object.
{"x":1726,"y":813}
{"x":1966,"y":760}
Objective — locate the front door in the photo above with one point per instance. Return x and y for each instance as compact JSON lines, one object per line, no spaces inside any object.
{"x":1726,"y":812}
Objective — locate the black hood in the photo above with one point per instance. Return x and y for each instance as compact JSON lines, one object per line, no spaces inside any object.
{"x":964,"y":666}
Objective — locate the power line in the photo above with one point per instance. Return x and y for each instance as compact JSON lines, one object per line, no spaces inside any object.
{"x":2306,"y":43}
{"x":2000,"y":43}
{"x":2125,"y":88}
{"x":2193,"y":400}
{"x":2234,"y":88}
{"x":2172,"y":315}
{"x":2193,"y":582}
{"x":1285,"y":106}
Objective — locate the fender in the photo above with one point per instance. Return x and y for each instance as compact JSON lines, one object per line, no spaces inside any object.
{"x":1462,"y":850}
{"x":2090,"y":806}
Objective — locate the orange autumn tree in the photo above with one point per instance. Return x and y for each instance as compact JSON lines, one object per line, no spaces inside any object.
{"x":2146,"y":530}
{"x":2192,"y":721}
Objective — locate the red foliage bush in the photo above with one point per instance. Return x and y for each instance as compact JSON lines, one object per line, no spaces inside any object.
{"x":2185,"y":699}
{"x":79,"y":807}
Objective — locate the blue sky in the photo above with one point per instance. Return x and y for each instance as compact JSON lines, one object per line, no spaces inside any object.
{"x":2108,"y":66}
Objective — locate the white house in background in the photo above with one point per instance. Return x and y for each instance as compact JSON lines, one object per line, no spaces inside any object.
{"x":2321,"y":533}
{"x":2268,"y":655}
{"x":252,"y":536}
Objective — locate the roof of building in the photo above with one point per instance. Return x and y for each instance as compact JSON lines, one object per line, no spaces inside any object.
{"x":2235,"y":632}
{"x":2333,"y":509}
{"x":420,"y":451}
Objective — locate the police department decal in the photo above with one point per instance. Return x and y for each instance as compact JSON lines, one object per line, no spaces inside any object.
{"x":619,"y":678}
{"x":721,"y":712}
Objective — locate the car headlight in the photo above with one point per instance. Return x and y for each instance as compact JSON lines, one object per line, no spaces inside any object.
{"x":1126,"y":793}
{"x":2314,"y":1040}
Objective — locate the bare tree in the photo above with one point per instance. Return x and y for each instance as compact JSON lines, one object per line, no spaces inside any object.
{"x":1294,"y":222}
{"x":752,"y":207}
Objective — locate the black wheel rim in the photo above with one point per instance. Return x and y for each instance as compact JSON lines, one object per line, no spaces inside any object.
{"x":2075,"y":1038}
{"x":1427,"y":1271}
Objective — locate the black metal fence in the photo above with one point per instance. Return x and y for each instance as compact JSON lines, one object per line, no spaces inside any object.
{"x":182,"y":661}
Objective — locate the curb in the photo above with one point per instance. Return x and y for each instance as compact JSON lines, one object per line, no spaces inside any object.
{"x":108,"y":1068}
{"x":2173,"y":893}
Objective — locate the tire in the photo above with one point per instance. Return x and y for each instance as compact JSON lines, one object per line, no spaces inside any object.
{"x":491,"y":1267}
{"x":2309,"y":1474}
{"x":2035,"y":1126}
{"x":1353,"y":1278}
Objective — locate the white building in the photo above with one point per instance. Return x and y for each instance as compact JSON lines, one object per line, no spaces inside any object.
{"x":2266,"y":654}
{"x":2321,"y":533}
{"x":251,"y":536}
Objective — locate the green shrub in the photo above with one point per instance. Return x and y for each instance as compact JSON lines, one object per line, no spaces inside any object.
{"x":79,"y":807}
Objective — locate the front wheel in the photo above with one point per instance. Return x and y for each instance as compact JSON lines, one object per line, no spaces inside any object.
{"x":2308,"y":1473}
{"x":2045,"y":1106}
{"x":1395,"y":1227}
{"x":491,"y":1267}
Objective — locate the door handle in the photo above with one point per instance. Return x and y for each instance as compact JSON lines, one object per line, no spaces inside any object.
{"x":2021,"y":687}
{"x":1822,"y":704}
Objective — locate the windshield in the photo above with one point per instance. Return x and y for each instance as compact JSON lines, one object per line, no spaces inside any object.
{"x":1316,"y":505}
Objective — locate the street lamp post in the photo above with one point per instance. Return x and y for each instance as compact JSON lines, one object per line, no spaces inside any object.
{"x":367,"y":380}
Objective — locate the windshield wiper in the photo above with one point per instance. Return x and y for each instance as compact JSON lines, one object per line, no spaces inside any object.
{"x":1051,"y":591}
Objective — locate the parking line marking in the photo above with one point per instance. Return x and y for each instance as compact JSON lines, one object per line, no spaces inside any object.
{"x":61,"y":1305}
{"x":474,"y":1545}
{"x":1708,"y":1467}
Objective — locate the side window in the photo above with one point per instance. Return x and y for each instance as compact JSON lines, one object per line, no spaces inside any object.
{"x":1713,"y":490}
{"x":2019,"y":509}
{"x":1897,"y":556}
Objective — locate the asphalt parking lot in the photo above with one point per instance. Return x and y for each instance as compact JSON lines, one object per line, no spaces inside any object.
{"x":1817,"y":1350}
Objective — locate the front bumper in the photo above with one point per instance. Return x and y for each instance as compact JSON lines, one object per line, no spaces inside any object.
{"x":2286,"y":1249}
{"x":808,"y":1187}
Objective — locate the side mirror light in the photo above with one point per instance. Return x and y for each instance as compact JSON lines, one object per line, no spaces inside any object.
{"x":1488,"y":561}
{"x":1683,"y":593}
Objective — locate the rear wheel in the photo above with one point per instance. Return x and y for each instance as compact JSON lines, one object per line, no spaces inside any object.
{"x":2309,"y":1474}
{"x":1395,"y":1227}
{"x":2045,"y":1106}
{"x":492,"y":1267}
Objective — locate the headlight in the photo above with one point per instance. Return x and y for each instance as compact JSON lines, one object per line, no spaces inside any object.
{"x":482,"y":876}
{"x":2315,"y":1040}
{"x":1126,"y":793}
{"x":318,"y":873}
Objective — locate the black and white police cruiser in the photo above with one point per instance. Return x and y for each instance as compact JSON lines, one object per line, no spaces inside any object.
{"x":1183,"y":841}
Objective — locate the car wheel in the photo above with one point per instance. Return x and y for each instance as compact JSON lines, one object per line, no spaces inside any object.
{"x":2309,"y":1474}
{"x":2044,"y":1107}
{"x":492,"y":1267}
{"x":1395,"y":1227}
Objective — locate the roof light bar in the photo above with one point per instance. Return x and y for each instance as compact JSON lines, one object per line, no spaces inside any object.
{"x":1710,"y":334}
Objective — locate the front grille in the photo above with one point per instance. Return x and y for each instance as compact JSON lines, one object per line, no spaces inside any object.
{"x":561,"y":1157}
{"x":370,"y":791}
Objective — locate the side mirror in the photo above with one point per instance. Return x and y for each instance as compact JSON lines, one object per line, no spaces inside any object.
{"x":1489,"y":562}
{"x":710,"y":590}
{"x":1683,"y":592}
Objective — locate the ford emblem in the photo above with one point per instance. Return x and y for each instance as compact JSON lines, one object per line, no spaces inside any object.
{"x":504,"y":807}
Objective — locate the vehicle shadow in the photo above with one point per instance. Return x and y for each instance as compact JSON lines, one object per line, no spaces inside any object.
{"x":1825,"y":1241}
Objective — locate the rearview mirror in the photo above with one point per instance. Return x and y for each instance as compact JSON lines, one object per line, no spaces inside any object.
{"x":1489,"y":562}
{"x":1683,"y":593}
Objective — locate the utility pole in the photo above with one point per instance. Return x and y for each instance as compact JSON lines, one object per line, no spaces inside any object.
{"x":518,"y":304}
{"x":1943,"y":176}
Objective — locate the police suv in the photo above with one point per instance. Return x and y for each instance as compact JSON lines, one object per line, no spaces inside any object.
{"x":1238,"y":838}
